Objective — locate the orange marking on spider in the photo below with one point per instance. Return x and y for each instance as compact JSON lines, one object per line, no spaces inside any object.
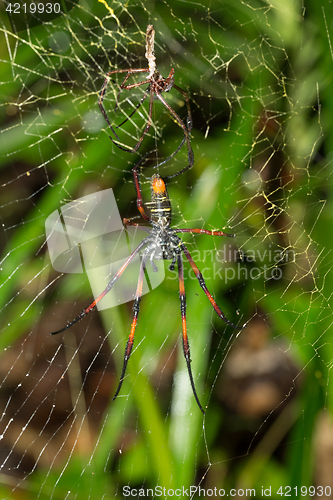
{"x":158,"y":186}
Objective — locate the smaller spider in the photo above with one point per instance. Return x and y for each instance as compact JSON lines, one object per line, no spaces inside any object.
{"x":161,"y":242}
{"x":156,"y":85}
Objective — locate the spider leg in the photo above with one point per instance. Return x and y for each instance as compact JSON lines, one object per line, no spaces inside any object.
{"x":173,"y":263}
{"x":129,"y":222}
{"x":186,"y":135}
{"x":189,"y":115}
{"x":129,"y":72}
{"x":147,"y":127}
{"x":100,"y":104}
{"x":135,"y":109}
{"x":148,"y":124}
{"x":109,"y":287}
{"x":203,"y":231}
{"x":186,"y":347}
{"x":102,"y":95}
{"x":189,"y":122}
{"x":121,"y":86}
{"x":204,"y":287}
{"x":128,"y":87}
{"x":169,"y":158}
{"x":139,"y":200}
{"x":136,"y":309}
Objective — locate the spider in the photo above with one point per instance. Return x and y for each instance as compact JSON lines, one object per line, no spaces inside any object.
{"x":161,"y":242}
{"x":156,"y":85}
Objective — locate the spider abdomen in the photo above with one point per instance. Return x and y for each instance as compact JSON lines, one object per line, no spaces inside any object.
{"x":170,"y":246}
{"x":164,"y":244}
{"x":164,"y":84}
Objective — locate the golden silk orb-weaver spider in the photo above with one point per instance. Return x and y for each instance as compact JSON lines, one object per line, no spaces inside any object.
{"x":161,"y":242}
{"x":156,"y":86}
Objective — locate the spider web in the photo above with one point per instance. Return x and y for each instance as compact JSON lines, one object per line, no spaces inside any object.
{"x":258,"y":76}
